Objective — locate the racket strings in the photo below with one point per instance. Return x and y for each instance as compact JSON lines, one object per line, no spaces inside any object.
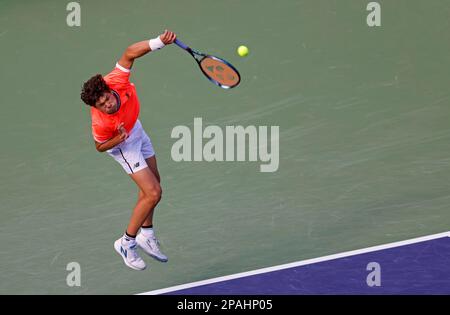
{"x":220,"y":72}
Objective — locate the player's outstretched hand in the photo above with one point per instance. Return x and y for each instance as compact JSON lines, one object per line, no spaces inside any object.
{"x":168,"y":37}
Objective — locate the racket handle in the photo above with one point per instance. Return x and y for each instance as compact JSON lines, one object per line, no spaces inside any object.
{"x":181,"y":44}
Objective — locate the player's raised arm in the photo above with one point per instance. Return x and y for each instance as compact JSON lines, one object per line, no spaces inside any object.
{"x":141,"y":48}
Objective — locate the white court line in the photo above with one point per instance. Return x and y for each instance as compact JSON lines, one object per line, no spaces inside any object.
{"x":299,"y":263}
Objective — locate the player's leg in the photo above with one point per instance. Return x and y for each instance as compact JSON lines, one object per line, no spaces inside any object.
{"x":146,"y":239}
{"x":150,"y":195}
{"x":129,"y":155}
{"x":126,"y":246}
{"x":150,"y":159}
{"x":151,"y":162}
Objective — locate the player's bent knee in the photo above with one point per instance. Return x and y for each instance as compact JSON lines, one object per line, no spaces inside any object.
{"x":157,"y":192}
{"x":153,"y":194}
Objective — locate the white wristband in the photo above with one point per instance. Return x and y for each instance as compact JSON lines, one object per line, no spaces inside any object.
{"x":156,"y":43}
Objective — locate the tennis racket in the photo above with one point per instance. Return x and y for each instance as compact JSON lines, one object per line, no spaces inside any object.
{"x":218,"y":71}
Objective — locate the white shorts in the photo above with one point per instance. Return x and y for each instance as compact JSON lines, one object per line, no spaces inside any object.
{"x":133,"y":152}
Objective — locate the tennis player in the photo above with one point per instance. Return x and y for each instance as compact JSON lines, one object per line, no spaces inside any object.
{"x":117,"y":130}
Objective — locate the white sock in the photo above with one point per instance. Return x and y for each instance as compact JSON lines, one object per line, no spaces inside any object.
{"x":147,"y":232}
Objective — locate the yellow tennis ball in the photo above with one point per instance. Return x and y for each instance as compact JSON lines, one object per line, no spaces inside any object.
{"x":242,"y":51}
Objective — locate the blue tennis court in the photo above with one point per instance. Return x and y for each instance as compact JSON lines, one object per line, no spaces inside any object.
{"x":417,"y":266}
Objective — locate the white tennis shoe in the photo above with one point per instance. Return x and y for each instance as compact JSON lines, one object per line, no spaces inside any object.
{"x":129,"y":255}
{"x":150,"y":245}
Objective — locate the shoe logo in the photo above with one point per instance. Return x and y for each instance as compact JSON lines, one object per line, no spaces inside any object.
{"x":123,"y":251}
{"x":136,"y":165}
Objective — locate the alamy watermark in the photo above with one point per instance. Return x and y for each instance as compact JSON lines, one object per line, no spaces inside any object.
{"x":74,"y":16}
{"x":374,"y":277}
{"x":235,"y":143}
{"x":73,"y":279}
{"x":374,"y":17}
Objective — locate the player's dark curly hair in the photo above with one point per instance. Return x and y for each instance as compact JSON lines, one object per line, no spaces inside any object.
{"x":93,"y":89}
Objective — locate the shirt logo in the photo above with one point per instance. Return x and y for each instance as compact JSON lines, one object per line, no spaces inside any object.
{"x":136,"y":165}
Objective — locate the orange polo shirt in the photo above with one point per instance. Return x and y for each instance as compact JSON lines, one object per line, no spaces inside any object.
{"x":104,"y":126}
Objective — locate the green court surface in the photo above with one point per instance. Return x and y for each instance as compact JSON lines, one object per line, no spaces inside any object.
{"x":364,"y":137}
